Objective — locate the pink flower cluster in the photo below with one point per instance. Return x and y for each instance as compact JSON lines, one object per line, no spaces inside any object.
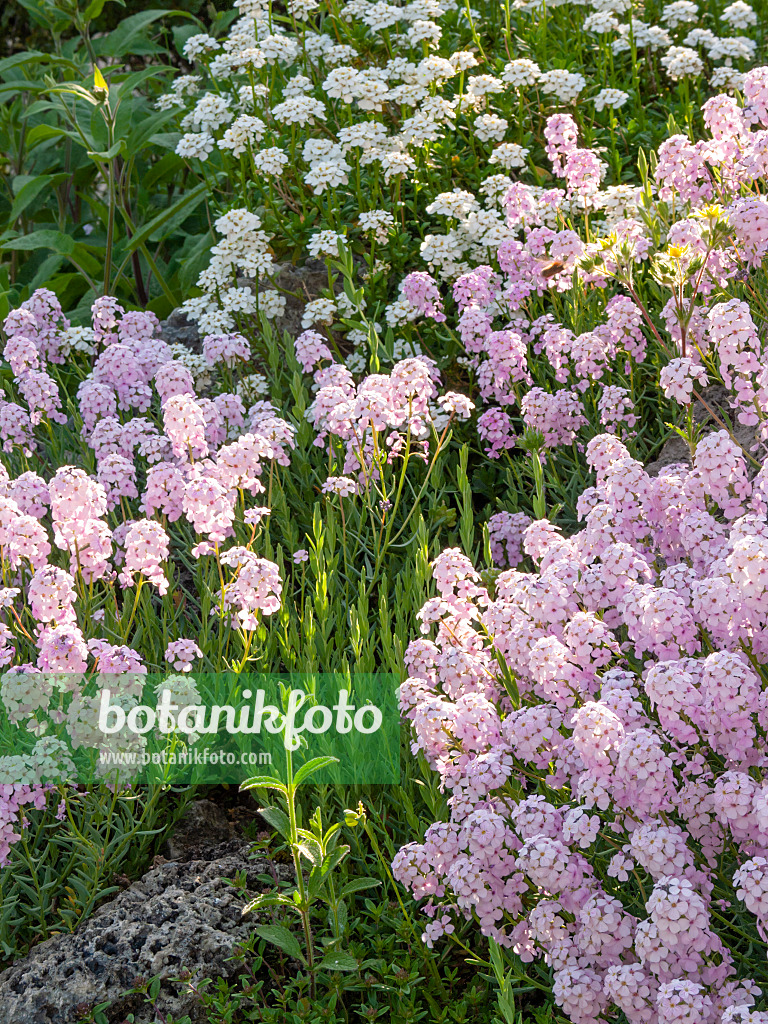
{"x":606,"y":789}
{"x":163,"y":454}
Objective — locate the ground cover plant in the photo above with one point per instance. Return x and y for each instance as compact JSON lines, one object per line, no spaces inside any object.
{"x":523,"y":414}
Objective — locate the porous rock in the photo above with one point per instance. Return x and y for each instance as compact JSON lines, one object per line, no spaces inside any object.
{"x":181,"y":919}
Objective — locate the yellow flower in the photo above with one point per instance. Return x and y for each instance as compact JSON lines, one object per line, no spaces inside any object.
{"x":676,"y":252}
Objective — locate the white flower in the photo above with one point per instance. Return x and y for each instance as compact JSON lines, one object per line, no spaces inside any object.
{"x":342,"y":83}
{"x":325,"y":174}
{"x":395,"y":163}
{"x":195,"y":144}
{"x":679,"y":13}
{"x":317,"y":150}
{"x":612,"y":98}
{"x":682,"y":62}
{"x":297,"y":86}
{"x":279,"y":48}
{"x":424,"y":31}
{"x":319,"y":311}
{"x":484,"y":85}
{"x":197,"y":44}
{"x":272,"y":304}
{"x":727,"y":78}
{"x":700,"y":37}
{"x":239,"y":300}
{"x":379,"y":222}
{"x":302,"y":9}
{"x":211,"y":112}
{"x":489,"y":126}
{"x":739,"y":15}
{"x":566,"y":85}
{"x":733,"y":48}
{"x":298,"y":110}
{"x":601,"y":22}
{"x":243,"y":131}
{"x":508,"y":155}
{"x":325,"y":243}
{"x":521,"y":72}
{"x":270,"y":161}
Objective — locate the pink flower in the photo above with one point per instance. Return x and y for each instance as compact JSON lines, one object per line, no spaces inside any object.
{"x":181,"y":653}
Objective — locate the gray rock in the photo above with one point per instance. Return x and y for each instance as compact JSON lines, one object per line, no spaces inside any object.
{"x":179,"y":919}
{"x":202,"y":828}
{"x":675,"y":450}
{"x":178,"y":330}
{"x":298,"y":286}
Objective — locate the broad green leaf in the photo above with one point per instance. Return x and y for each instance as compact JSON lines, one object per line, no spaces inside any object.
{"x":31,"y":190}
{"x":130,"y":30}
{"x":141,"y":134}
{"x":25,"y":57}
{"x":44,"y":239}
{"x":339,"y":960}
{"x":278,"y":820}
{"x":123,"y":86}
{"x":309,"y":769}
{"x":357,"y":884}
{"x":311,"y":850}
{"x":41,"y":132}
{"x":94,"y":9}
{"x":282,"y":938}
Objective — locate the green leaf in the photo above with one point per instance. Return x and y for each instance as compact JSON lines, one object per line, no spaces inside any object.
{"x":278,"y":820}
{"x":274,"y":900}
{"x":311,"y":850}
{"x":109,"y":154}
{"x":94,"y":9}
{"x":194,"y":195}
{"x":130,"y":31}
{"x":338,"y":961}
{"x":282,"y":938}
{"x":141,"y":134}
{"x":264,"y":782}
{"x":123,"y":86}
{"x":315,"y":765}
{"x":25,"y":57}
{"x":41,"y":132}
{"x":45,"y":239}
{"x":357,"y":884}
{"x":30,"y":190}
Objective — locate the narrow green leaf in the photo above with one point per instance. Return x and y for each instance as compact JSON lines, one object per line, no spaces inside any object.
{"x":272,"y":900}
{"x":309,"y":769}
{"x":264,"y":782}
{"x":197,"y":193}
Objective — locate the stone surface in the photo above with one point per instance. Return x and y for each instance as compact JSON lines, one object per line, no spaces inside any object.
{"x":180,"y":919}
{"x":298,"y":286}
{"x":178,"y":330}
{"x":203,"y":827}
{"x":675,"y":449}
